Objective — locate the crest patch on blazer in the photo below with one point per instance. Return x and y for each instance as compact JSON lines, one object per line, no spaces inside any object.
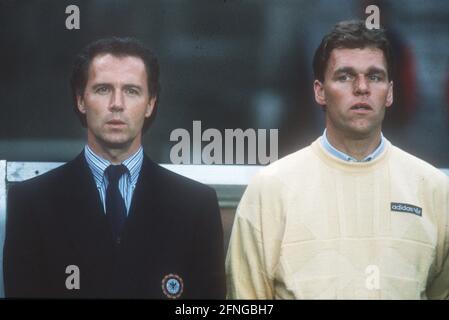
{"x":172,"y":286}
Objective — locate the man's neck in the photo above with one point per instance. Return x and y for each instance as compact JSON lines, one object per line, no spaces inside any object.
{"x":358,"y":148}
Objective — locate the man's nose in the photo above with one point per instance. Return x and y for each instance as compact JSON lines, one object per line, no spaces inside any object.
{"x":361,"y":85}
{"x":117,"y":100}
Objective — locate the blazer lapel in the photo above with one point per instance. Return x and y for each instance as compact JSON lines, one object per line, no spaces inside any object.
{"x":146,"y":189}
{"x":144,"y":209}
{"x":146,"y":225}
{"x":86,"y":220}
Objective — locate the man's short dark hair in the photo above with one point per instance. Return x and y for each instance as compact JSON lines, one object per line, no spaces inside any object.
{"x":118,"y":47}
{"x":350,"y":35}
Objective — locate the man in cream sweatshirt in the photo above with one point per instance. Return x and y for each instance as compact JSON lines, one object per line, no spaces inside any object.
{"x":351,"y":216}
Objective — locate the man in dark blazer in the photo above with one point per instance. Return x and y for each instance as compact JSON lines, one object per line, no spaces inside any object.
{"x":111,"y":223}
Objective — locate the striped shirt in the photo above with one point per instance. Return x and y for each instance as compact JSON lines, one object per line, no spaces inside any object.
{"x":126,"y":183}
{"x":343,"y":156}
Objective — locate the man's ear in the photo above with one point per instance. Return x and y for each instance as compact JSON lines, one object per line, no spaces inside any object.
{"x":80,"y":104}
{"x":390,"y":99}
{"x":150,"y":106}
{"x":320,"y":97}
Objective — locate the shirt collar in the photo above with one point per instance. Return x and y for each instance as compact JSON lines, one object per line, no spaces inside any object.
{"x":98,"y":165}
{"x":343,"y":156}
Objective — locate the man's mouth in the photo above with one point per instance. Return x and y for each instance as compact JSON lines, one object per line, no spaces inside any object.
{"x":361,"y":107}
{"x":115,"y":122}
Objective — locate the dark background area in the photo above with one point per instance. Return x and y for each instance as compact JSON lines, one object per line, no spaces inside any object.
{"x":231,"y":64}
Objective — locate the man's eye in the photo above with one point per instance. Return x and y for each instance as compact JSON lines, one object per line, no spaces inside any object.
{"x":132,"y":91}
{"x":375,"y":77}
{"x":102,"y":90}
{"x":344,"y":77}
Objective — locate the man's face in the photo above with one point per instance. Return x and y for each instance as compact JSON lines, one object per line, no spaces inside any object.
{"x":356,"y":90}
{"x":116,"y":102}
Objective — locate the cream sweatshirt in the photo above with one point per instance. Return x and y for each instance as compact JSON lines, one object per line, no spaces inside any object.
{"x":311,"y":226}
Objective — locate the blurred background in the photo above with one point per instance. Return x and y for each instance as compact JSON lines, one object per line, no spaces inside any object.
{"x":229,"y":63}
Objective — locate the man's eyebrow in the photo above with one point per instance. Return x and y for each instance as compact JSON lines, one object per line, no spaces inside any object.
{"x":97,"y":85}
{"x":376,"y":70}
{"x":132,"y":86}
{"x":345,"y":70}
{"x":351,"y":70}
{"x":101,"y":84}
{"x":105,"y":84}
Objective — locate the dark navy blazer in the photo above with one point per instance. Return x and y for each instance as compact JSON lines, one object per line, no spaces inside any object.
{"x":173,"y":230}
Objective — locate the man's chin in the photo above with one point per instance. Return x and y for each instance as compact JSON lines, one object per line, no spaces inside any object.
{"x":116,"y":143}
